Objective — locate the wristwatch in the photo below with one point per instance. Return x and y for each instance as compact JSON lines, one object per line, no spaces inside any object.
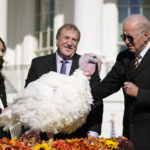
{"x":0,"y":110}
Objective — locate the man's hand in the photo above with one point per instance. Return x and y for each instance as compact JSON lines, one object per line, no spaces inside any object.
{"x":93,"y":134}
{"x":87,"y":74}
{"x":130,"y":89}
{"x":5,"y":109}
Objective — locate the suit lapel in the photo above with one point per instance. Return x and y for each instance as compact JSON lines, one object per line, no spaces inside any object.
{"x":52,"y":63}
{"x":75,"y":63}
{"x":145,"y":62}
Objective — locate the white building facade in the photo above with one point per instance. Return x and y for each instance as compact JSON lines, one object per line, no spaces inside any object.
{"x":29,"y":27}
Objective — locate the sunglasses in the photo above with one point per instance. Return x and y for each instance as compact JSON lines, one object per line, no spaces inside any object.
{"x":129,"y":37}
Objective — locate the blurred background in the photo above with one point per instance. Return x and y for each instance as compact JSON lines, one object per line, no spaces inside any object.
{"x":28,"y":28}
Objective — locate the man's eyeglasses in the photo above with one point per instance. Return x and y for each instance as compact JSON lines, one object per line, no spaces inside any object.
{"x":129,"y":37}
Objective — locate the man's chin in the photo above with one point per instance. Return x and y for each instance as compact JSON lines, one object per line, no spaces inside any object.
{"x":132,"y":49}
{"x":69,"y":54}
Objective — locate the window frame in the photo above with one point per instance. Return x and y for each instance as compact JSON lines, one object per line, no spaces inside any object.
{"x":44,"y":26}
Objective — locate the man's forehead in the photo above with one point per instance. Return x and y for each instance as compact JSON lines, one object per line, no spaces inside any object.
{"x":72,"y":31}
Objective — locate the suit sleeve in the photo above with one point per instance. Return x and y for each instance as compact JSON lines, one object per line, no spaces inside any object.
{"x":101,"y":89}
{"x":143,"y":97}
{"x":109,"y":85}
{"x":3,"y":94}
{"x":95,"y":117}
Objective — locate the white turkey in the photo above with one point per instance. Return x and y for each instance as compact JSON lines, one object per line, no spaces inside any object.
{"x":54,"y":102}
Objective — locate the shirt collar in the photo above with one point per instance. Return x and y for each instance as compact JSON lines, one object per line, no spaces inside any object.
{"x":59,"y":59}
{"x":145,"y":50}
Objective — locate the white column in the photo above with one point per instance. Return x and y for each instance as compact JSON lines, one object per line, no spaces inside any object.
{"x":88,"y":18}
{"x":3,"y":18}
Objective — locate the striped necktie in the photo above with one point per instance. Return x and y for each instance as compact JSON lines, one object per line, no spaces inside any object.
{"x":63,"y":67}
{"x":136,"y":63}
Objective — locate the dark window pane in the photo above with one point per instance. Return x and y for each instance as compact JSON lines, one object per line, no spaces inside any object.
{"x":43,"y":22}
{"x":47,"y":20}
{"x":37,"y":7}
{"x":51,"y":37}
{"x":51,"y":20}
{"x":135,"y":10}
{"x":52,"y":5}
{"x":37,"y":23}
{"x":45,"y":5}
{"x":145,"y":2}
{"x":146,"y":12}
{"x":134,"y":2}
{"x":122,"y":2}
{"x":44,"y":42}
{"x":122,"y":13}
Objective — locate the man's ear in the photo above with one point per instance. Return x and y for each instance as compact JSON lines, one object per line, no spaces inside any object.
{"x":57,"y":42}
{"x":146,"y":36}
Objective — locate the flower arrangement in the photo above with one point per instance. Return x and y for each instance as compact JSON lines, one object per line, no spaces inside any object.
{"x":6,"y":144}
{"x":28,"y":142}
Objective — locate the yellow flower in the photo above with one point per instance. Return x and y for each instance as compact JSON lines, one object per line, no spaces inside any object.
{"x":42,"y":146}
{"x":15,"y":138}
{"x":111,"y":144}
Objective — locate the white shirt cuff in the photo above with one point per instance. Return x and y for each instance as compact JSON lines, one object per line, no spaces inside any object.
{"x":93,"y":133}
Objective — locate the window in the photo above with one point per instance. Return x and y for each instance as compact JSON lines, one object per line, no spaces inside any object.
{"x":129,"y":7}
{"x":44,"y":29}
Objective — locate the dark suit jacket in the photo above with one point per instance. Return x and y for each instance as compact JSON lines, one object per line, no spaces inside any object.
{"x":4,"y":102}
{"x":136,"y":121}
{"x":44,"y":64}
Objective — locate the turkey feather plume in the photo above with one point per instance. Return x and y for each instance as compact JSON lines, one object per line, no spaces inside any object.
{"x":54,"y":102}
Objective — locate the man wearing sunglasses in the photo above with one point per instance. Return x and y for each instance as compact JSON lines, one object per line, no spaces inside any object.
{"x":131,"y":72}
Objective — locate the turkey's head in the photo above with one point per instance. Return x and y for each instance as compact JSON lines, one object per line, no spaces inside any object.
{"x":88,"y":61}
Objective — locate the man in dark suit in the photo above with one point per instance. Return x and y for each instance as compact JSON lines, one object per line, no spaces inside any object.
{"x":133,"y":75}
{"x":67,"y":39}
{"x":3,"y":101}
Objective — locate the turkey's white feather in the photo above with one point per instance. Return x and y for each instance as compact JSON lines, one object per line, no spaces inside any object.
{"x":53,"y":103}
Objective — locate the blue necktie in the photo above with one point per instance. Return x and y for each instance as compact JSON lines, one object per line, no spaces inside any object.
{"x":63,"y":67}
